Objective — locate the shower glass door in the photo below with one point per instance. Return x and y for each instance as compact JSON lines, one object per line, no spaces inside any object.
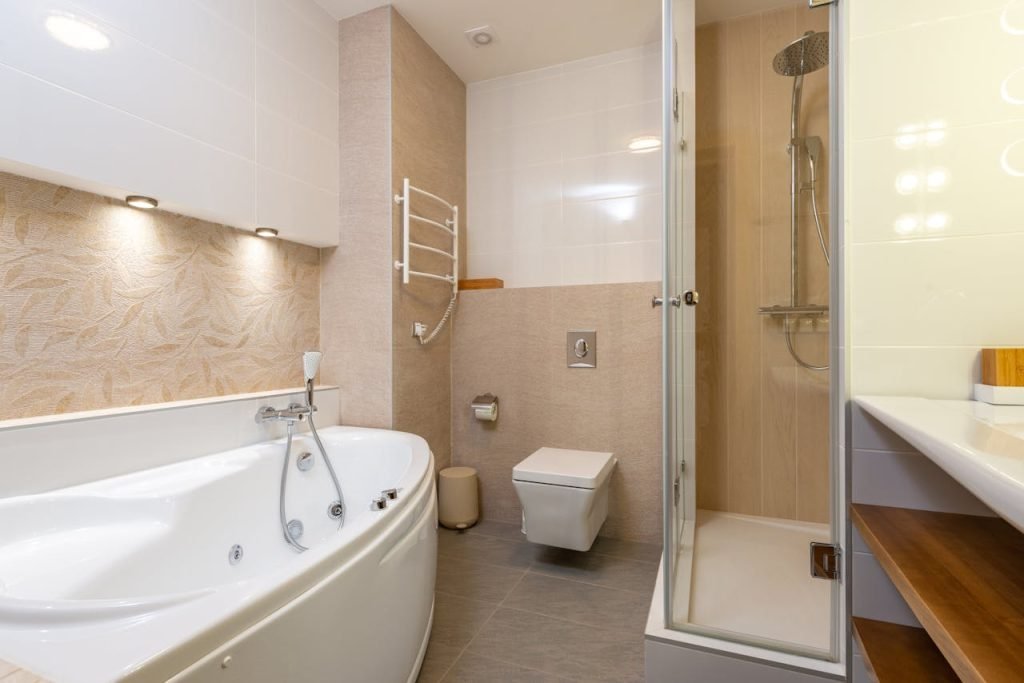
{"x":748,"y":468}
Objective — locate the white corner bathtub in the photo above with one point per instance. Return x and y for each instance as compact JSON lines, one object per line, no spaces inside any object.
{"x":129,"y":578}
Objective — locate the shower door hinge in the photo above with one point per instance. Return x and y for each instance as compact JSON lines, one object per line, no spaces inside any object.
{"x":825,"y":561}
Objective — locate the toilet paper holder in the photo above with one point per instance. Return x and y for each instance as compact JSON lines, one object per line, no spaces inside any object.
{"x":485,"y":407}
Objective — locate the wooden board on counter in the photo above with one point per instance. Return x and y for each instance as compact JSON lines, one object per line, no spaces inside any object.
{"x":1002,"y":367}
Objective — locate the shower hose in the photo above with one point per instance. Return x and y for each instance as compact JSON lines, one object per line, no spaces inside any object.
{"x":292,"y":541}
{"x":828,"y":262}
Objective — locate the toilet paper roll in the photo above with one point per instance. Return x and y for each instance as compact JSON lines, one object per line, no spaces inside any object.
{"x":487,"y":413}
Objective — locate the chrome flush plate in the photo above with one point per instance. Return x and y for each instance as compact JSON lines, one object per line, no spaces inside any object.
{"x":581,"y":348}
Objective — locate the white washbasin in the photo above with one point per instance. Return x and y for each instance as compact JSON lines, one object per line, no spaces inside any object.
{"x":979,"y":445}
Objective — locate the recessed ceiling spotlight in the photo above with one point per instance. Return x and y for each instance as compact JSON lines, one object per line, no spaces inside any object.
{"x":141,"y":202}
{"x":481,"y":36}
{"x":644,"y":143}
{"x":76,"y":33}
{"x":266,"y":232}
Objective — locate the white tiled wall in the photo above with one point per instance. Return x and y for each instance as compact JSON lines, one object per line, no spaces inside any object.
{"x":222,"y":109}
{"x":554,"y":195}
{"x":935,"y":234}
{"x":936,"y":191}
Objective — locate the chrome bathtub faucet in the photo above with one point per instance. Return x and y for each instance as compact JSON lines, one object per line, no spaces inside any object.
{"x":295,"y":412}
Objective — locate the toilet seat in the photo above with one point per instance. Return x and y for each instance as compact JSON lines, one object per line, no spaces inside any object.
{"x":565,"y":467}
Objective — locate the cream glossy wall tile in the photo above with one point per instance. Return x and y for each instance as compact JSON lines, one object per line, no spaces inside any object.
{"x":106,"y":306}
{"x":944,"y":292}
{"x":921,"y":75}
{"x":936,"y":177}
{"x":555,"y":195}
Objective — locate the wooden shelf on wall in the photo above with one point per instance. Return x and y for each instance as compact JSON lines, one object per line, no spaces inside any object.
{"x":481,"y":283}
{"x":895,"y":653}
{"x":963,"y":577}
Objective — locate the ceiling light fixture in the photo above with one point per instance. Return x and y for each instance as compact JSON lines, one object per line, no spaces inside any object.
{"x":481,"y":36}
{"x":76,"y":33}
{"x":644,"y":143}
{"x":266,"y":232}
{"x":141,"y":201}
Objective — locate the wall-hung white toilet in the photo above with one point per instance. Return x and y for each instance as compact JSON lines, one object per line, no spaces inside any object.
{"x":564,"y":494}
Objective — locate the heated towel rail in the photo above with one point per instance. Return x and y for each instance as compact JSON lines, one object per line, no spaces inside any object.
{"x":450,"y":227}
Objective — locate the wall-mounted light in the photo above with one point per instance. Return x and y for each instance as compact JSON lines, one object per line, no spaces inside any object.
{"x":266,"y":232}
{"x":141,"y":202}
{"x":76,"y":33}
{"x":644,"y":143}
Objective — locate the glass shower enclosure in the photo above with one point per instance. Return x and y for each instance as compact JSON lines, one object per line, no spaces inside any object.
{"x":751,"y":512}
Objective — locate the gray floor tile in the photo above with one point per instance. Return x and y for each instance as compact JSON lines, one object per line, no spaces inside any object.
{"x":480,"y":548}
{"x":581,"y":602}
{"x":457,"y":620}
{"x":561,"y":648}
{"x":472,"y":668}
{"x":437,"y":661}
{"x":602,"y":570}
{"x":630,"y":550}
{"x":509,"y":532}
{"x":484,"y":582}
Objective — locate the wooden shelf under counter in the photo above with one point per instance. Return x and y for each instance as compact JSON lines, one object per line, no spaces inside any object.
{"x":963,"y":577}
{"x":895,"y":653}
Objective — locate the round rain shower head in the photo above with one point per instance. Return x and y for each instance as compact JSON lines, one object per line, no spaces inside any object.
{"x":807,"y":53}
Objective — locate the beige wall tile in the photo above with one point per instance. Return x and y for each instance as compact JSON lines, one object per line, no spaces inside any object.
{"x":105,"y":306}
{"x":762,"y":424}
{"x":742,"y":285}
{"x":428,"y":129}
{"x":357,"y":277}
{"x":512,"y":343}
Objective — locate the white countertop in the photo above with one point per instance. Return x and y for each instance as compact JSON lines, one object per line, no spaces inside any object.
{"x":979,"y":445}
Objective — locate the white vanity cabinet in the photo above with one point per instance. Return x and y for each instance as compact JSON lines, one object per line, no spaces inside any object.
{"x":222,"y":109}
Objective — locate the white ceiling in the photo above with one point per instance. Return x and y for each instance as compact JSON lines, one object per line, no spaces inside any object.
{"x":529,"y":34}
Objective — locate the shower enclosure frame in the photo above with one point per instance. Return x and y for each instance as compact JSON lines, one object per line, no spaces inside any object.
{"x":678,"y":428}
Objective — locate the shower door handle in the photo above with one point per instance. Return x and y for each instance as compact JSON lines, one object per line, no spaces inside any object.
{"x":674,"y":300}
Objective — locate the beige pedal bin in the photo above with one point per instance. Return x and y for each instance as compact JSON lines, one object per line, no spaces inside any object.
{"x":458,"y":498}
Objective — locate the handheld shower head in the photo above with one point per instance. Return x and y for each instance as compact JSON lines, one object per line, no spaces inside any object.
{"x":311,"y":364}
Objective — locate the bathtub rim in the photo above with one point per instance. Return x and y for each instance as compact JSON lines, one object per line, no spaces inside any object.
{"x":173,"y":660}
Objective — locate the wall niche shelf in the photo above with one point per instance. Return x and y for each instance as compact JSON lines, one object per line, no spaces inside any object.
{"x":963,"y":577}
{"x":481,"y":283}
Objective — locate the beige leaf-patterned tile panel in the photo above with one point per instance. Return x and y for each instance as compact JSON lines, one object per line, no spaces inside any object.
{"x":102,"y":305}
